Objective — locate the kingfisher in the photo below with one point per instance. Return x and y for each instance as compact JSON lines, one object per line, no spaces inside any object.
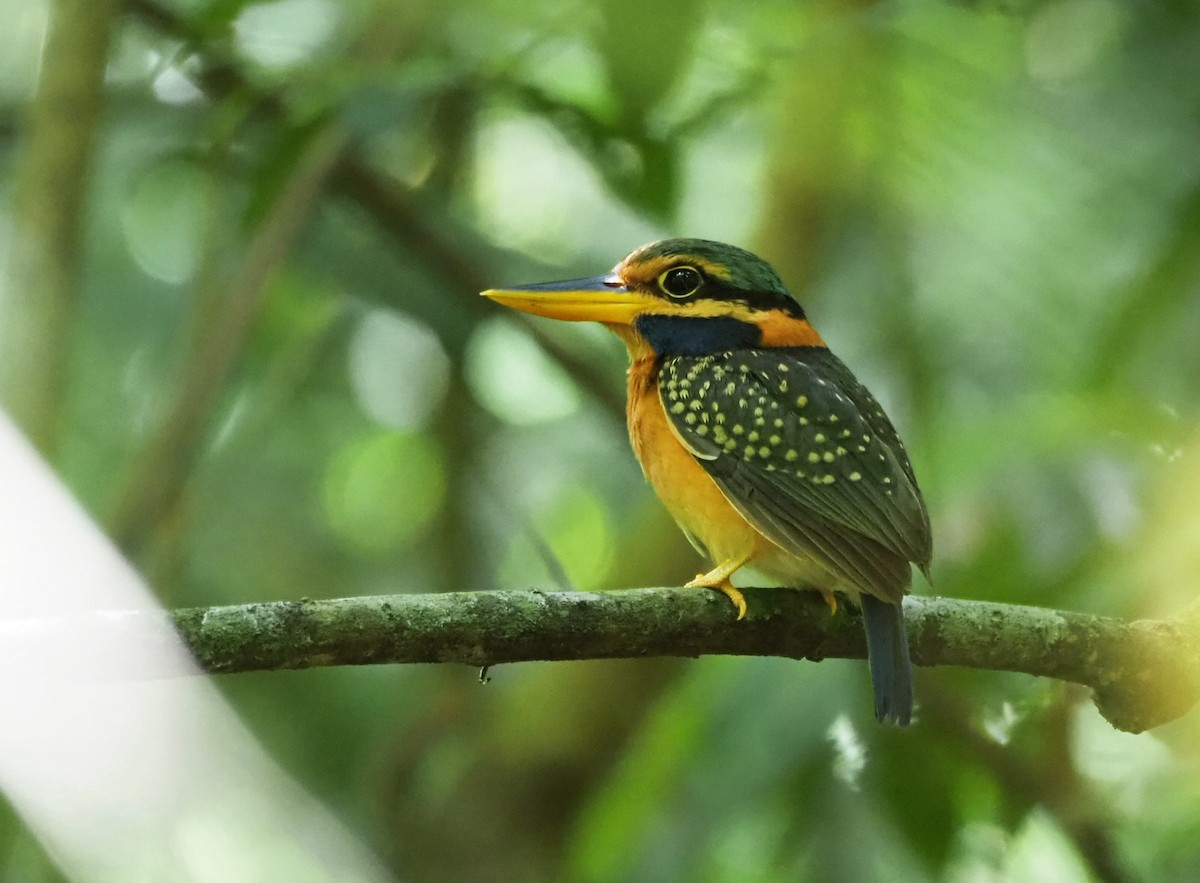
{"x":760,"y":442}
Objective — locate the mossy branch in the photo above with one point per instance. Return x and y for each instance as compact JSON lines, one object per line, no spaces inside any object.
{"x":1143,"y":673}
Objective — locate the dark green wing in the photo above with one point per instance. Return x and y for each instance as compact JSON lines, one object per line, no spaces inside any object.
{"x":807,"y":455}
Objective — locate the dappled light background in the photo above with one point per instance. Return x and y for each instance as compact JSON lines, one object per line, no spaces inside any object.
{"x":280,"y":382}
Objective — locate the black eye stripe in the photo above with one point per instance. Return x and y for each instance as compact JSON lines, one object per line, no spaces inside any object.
{"x":680,"y":282}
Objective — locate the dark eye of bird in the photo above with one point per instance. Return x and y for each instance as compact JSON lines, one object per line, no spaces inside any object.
{"x":680,"y":282}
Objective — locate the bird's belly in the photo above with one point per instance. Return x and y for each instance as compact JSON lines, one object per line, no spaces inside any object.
{"x":788,"y":570}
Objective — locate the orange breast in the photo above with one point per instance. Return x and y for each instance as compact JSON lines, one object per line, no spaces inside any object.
{"x":689,"y":494}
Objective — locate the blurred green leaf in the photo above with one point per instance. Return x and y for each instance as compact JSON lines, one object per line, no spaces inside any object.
{"x":382,"y":491}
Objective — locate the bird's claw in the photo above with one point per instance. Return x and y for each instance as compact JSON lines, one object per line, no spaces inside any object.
{"x":725,"y":587}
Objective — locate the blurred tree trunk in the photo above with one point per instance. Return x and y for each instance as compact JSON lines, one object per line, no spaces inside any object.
{"x":164,"y":466}
{"x":39,"y":302}
{"x":817,"y":162}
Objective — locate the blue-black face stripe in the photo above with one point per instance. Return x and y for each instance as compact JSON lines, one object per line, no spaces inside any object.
{"x":696,"y":335}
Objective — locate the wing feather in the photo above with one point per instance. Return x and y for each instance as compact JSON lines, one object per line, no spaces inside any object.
{"x":807,"y":456}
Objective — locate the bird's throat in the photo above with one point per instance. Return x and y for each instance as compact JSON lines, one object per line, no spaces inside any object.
{"x":696,"y":335}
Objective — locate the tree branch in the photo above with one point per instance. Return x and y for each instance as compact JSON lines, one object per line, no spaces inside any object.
{"x":1143,"y":673}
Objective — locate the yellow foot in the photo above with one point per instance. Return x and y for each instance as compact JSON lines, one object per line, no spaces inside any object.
{"x":830,"y":599}
{"x":726,"y":588}
{"x":718,"y":578}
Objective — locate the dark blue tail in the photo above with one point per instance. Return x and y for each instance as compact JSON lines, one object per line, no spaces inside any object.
{"x":887,"y":654}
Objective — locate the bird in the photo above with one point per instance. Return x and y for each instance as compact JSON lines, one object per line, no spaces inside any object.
{"x":759,"y":441}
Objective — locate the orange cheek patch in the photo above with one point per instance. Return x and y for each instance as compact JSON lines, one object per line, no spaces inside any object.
{"x":782,"y":330}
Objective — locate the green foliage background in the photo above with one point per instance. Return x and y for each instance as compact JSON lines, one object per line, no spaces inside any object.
{"x":282,"y":383}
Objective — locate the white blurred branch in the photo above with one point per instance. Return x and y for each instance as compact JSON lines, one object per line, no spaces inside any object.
{"x":128,"y":778}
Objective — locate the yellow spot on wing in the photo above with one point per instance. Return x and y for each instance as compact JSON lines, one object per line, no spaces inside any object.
{"x":682,"y":441}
